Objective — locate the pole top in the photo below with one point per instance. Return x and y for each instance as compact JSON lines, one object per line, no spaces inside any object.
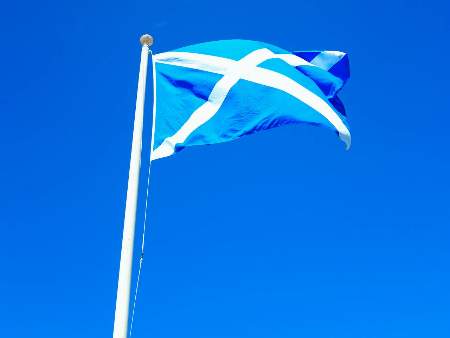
{"x":147,"y":40}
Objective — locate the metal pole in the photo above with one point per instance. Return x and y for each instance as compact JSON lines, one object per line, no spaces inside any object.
{"x":126,"y":257}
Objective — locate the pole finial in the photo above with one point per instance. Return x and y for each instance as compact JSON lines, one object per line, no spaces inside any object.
{"x":146,"y":39}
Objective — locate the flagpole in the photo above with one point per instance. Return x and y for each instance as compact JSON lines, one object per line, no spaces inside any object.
{"x":126,"y":257}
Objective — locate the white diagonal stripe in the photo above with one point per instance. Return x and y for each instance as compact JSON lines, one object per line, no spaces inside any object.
{"x":233,"y":71}
{"x":327,"y":59}
{"x":217,"y":64}
{"x":218,"y":94}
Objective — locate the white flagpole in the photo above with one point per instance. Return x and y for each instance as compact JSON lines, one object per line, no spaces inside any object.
{"x":126,"y":258}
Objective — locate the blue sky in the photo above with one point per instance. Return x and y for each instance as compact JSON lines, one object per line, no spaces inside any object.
{"x":282,"y":234}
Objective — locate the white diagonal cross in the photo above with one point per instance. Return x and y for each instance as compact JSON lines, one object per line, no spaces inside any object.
{"x":233,"y":71}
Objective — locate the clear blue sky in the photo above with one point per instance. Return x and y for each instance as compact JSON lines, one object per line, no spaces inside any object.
{"x":281,"y":234}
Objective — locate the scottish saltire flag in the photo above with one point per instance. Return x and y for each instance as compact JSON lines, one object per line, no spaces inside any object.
{"x":219,"y":91}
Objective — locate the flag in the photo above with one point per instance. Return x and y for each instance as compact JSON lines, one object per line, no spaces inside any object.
{"x":219,"y":91}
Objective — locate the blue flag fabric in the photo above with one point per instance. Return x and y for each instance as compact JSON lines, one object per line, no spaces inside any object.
{"x":219,"y":91}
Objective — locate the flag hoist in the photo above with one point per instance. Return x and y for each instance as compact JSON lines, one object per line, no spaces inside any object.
{"x":126,"y":257}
